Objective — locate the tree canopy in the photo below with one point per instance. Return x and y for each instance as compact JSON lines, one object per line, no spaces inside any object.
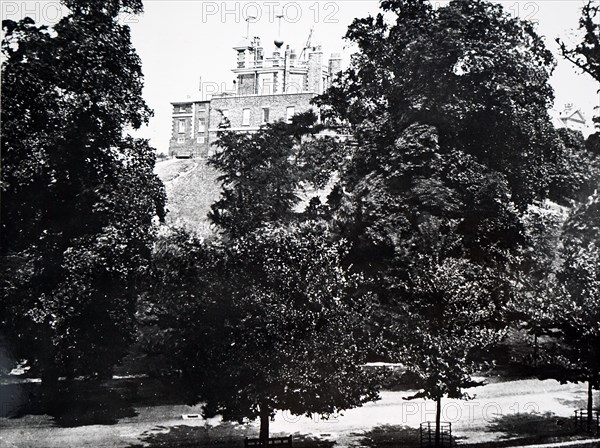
{"x":264,"y":174}
{"x":79,"y":197}
{"x":479,"y":76}
{"x":449,"y":110}
{"x":586,"y":54}
{"x":270,"y":321}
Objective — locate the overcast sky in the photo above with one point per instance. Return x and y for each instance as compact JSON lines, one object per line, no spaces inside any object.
{"x":186,"y":43}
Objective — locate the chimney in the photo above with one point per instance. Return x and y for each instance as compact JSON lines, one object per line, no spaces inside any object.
{"x":315,"y":70}
{"x":335,"y":64}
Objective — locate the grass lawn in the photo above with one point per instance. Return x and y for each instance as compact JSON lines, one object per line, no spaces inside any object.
{"x":192,"y":187}
{"x":141,"y":412}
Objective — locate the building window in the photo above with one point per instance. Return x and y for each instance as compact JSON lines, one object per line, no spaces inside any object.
{"x":265,"y":115}
{"x":267,"y":86}
{"x":289,"y":113}
{"x":246,"y":117}
{"x":181,"y":126}
{"x":180,"y":139}
{"x":201,"y":139}
{"x":201,"y":125}
{"x":241,"y":58}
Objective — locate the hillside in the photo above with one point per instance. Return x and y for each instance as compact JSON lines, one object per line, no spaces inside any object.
{"x":192,"y":187}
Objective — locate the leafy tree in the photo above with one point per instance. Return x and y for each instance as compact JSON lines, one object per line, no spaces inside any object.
{"x":265,"y":317}
{"x":428,"y":254}
{"x":576,"y":304}
{"x":448,"y":108}
{"x":577,"y":172}
{"x":263,"y":174}
{"x":586,"y":55}
{"x":79,"y":198}
{"x":561,"y":301}
{"x":450,"y":306}
{"x":477,"y":75}
{"x":270,"y":321}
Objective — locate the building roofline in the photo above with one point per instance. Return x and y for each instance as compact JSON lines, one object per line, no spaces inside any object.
{"x":190,"y":101}
{"x":255,"y":95}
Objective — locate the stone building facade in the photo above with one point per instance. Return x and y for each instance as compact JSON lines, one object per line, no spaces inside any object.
{"x":267,"y":89}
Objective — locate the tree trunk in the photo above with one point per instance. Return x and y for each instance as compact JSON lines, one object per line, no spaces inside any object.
{"x":438,"y":414}
{"x":49,"y":388}
{"x":590,"y":406}
{"x":265,"y":415}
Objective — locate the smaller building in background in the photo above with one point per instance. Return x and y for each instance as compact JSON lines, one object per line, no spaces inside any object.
{"x":267,"y":89}
{"x":571,"y":117}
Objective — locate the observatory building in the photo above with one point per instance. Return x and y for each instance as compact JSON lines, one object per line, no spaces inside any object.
{"x":267,"y":88}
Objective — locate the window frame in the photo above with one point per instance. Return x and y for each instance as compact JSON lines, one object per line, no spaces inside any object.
{"x":288,"y":116}
{"x":246,"y":115}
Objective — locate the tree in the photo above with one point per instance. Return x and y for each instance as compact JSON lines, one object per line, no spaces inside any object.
{"x":477,"y":75}
{"x":428,"y":254}
{"x":264,"y":173}
{"x":270,"y":321}
{"x":586,"y":55}
{"x":577,"y":172}
{"x":452,"y":308}
{"x":79,"y":198}
{"x":267,"y":300}
{"x":448,"y":108}
{"x":577,"y":301}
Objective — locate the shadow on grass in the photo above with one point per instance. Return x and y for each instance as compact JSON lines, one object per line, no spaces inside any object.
{"x":389,"y":436}
{"x":224,"y":435}
{"x":526,"y":429}
{"x":80,"y":403}
{"x":70,"y":404}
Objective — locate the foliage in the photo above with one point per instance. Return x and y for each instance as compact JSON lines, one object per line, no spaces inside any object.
{"x":452,"y":308}
{"x":577,"y":172}
{"x":586,"y":54}
{"x":448,"y":108}
{"x":577,"y":304}
{"x":560,"y":297}
{"x":79,"y":198}
{"x":477,"y":75}
{"x":264,"y":173}
{"x":268,"y":321}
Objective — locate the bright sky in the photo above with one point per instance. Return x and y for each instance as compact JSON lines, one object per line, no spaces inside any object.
{"x":186,"y":43}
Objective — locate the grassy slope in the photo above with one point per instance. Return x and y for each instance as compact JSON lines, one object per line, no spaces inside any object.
{"x":192,"y":187}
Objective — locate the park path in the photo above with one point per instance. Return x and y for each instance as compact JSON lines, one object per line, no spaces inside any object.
{"x":476,"y":420}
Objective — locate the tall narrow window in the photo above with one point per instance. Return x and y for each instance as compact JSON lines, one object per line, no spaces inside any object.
{"x":181,"y":126}
{"x":265,"y":115}
{"x":202,"y":125}
{"x":289,"y":113}
{"x":246,"y":117}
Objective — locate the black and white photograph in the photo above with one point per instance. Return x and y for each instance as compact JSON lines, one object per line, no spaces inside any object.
{"x":308,"y":224}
